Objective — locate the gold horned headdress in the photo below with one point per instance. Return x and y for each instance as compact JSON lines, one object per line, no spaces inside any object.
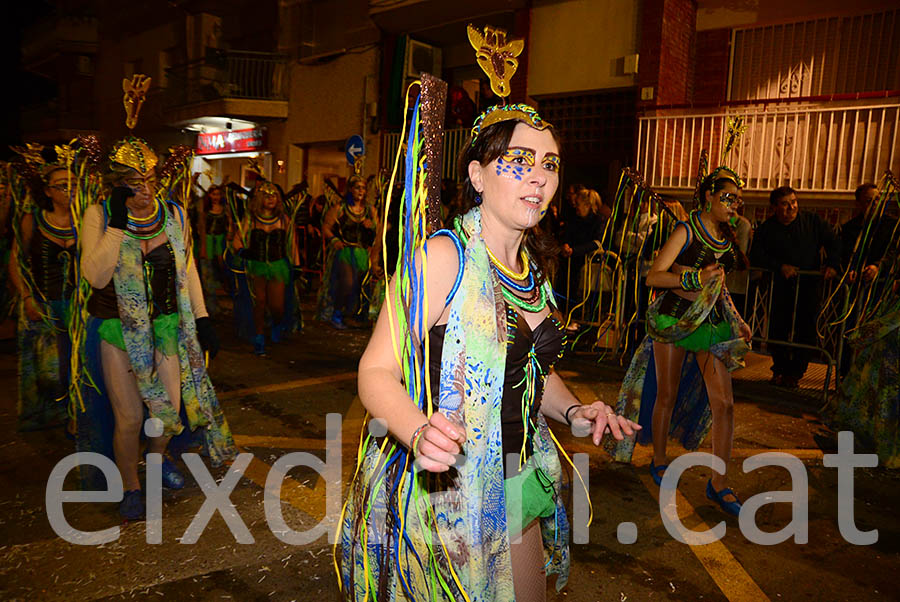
{"x":497,"y":57}
{"x":733,"y":132}
{"x":135,"y":90}
{"x":264,"y":186}
{"x":36,"y":164}
{"x":132,"y":153}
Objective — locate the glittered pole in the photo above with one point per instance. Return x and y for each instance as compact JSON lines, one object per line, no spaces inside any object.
{"x":433,"y":104}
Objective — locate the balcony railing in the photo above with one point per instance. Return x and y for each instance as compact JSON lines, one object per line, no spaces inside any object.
{"x":453,"y":142}
{"x":228,"y":74}
{"x":811,"y":148}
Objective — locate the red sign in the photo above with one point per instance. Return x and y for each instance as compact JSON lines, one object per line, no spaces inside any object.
{"x":235,"y":141}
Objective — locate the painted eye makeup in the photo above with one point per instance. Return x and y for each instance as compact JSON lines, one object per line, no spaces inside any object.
{"x":730,"y":200}
{"x":518,"y":156}
{"x":552,"y":162}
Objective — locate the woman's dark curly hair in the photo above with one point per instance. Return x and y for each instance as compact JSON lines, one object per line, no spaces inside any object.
{"x":491,"y":142}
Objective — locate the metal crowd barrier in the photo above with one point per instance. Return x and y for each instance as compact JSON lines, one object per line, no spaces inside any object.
{"x":607,"y":284}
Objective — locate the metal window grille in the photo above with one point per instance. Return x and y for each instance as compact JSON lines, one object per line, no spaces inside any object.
{"x":836,"y":55}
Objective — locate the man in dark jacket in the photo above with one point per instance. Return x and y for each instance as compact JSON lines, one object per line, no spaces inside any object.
{"x":863,"y":262}
{"x":789,"y":242}
{"x":868,"y":259}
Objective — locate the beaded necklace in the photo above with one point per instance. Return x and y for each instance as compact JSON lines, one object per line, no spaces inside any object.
{"x":146,"y":222}
{"x":505,"y":270}
{"x":510,"y":283}
{"x":718,"y":246}
{"x":536,"y":302}
{"x":149,"y":227}
{"x":267,"y":221}
{"x":49,"y":229}
{"x":356,"y":217}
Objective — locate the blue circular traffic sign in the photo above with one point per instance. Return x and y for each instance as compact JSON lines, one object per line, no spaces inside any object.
{"x":354,"y":149}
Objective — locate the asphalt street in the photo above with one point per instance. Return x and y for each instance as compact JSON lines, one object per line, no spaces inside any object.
{"x":278,"y":405}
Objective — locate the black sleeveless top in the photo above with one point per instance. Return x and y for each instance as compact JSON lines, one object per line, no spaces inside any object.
{"x":159,"y":278}
{"x":546,"y":342}
{"x":266,"y":246}
{"x":216,"y":223}
{"x":52,"y":266}
{"x":353,"y":231}
{"x":696,"y":254}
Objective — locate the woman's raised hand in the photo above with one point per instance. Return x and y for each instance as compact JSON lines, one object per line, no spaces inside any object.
{"x":597,"y":417}
{"x":439,"y":443}
{"x":709,"y":271}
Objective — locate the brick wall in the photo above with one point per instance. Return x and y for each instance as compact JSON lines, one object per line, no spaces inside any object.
{"x":711,"y":75}
{"x":676,"y":54}
{"x":667,"y":49}
{"x":521,"y":29}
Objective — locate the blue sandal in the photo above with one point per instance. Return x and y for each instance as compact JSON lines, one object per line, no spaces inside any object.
{"x":654,"y":472}
{"x":732,"y":508}
{"x":132,"y":505}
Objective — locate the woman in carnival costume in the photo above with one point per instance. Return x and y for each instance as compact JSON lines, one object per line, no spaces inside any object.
{"x":42,"y":269}
{"x":460,"y":362}
{"x":350,"y":229}
{"x":214,"y":226}
{"x":148,"y":328}
{"x":267,"y":243}
{"x":679,"y":379}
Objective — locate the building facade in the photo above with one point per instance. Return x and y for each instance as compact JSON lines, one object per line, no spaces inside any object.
{"x":646,"y":84}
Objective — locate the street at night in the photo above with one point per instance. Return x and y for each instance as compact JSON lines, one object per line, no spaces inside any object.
{"x":278,"y":404}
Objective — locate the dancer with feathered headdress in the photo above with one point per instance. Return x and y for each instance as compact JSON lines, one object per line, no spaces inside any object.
{"x":461,"y":362}
{"x":147,"y":329}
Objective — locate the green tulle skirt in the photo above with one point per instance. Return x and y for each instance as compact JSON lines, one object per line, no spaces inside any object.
{"x":531,"y":490}
{"x":701,"y":339}
{"x":165,"y":333}
{"x":270,"y":270}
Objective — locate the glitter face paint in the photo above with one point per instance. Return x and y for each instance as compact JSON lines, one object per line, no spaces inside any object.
{"x":515,"y":163}
{"x":730,"y":200}
{"x":519,"y":184}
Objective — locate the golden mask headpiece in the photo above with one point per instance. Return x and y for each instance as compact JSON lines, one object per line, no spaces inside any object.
{"x":733,"y":133}
{"x":133,"y":153}
{"x":268,"y":188}
{"x":32,"y":154}
{"x":497,"y":58}
{"x":254,"y":166}
{"x":135,"y":91}
{"x":726,"y":173}
{"x":518,"y":112}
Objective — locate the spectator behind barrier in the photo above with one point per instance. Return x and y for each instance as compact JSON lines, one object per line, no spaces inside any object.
{"x":880,"y":234}
{"x":581,"y":236}
{"x":786,"y":243}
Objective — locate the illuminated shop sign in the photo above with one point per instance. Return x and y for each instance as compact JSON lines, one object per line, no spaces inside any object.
{"x":231,"y":142}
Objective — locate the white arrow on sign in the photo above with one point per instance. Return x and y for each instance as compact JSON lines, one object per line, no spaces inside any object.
{"x":354,"y":150}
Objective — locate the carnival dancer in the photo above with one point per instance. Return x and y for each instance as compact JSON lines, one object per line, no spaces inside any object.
{"x":467,"y":368}
{"x":269,"y":252}
{"x":148,"y":327}
{"x":42,"y":270}
{"x":679,"y":379}
{"x":214,"y":226}
{"x":350,"y":229}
